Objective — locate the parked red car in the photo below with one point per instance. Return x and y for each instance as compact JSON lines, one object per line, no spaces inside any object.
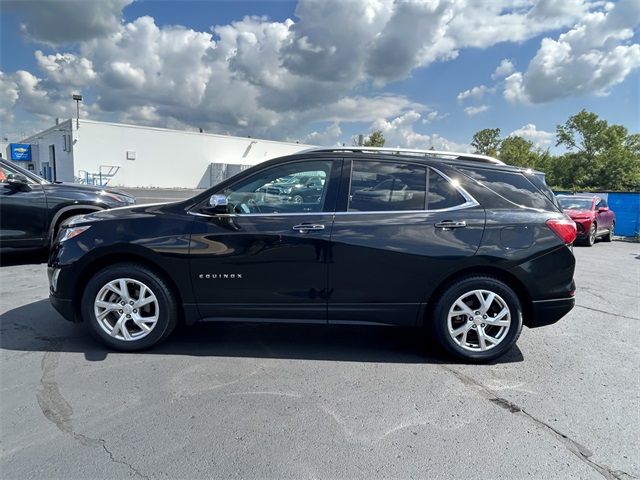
{"x":592,"y":216}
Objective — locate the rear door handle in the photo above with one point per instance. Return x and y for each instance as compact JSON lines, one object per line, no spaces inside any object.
{"x":449,"y":224}
{"x":307,"y":227}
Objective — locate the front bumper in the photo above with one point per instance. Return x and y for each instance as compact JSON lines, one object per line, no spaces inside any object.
{"x":547,"y":312}
{"x":64,"y":306}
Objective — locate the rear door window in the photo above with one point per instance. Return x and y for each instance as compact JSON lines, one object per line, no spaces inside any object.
{"x":387,"y":186}
{"x":442,"y":194}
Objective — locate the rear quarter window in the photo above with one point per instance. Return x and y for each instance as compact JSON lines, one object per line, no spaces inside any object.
{"x":513,"y":186}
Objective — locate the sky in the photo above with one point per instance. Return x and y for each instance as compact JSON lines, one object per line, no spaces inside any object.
{"x":427,"y":73}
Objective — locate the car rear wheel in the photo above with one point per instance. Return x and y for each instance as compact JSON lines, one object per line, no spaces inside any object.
{"x":477,"y":319}
{"x":129,"y":307}
{"x":609,"y":236}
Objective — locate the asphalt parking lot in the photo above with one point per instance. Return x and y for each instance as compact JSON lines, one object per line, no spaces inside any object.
{"x":258,"y":401}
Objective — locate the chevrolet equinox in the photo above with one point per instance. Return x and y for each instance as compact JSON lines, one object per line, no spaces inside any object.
{"x":463,"y":245}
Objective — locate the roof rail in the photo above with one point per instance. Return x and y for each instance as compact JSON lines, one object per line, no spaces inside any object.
{"x":408,"y":151}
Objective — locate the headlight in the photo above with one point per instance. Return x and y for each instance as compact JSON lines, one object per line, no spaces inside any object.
{"x":69,"y":233}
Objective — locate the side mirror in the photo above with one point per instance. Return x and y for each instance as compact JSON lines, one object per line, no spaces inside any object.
{"x":18,"y":182}
{"x":603,"y":209}
{"x":217,"y":204}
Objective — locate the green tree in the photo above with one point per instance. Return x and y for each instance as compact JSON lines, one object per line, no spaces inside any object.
{"x":517,"y":151}
{"x":376,"y":139}
{"x":487,"y":141}
{"x":584,"y":133}
{"x":600,"y":156}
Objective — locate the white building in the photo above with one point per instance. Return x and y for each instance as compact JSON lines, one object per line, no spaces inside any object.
{"x":136,"y":156}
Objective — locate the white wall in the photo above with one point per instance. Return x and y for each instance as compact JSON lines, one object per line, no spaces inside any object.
{"x":5,"y":150}
{"x":40,"y":144}
{"x":165,"y":158}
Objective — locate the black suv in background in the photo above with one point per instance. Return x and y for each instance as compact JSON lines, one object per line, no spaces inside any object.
{"x":32,"y":209}
{"x":461,"y":244}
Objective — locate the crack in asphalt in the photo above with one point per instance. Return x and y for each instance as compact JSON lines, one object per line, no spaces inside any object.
{"x":577,"y":449}
{"x":116,"y":460}
{"x":607,"y":313}
{"x":57,"y":409}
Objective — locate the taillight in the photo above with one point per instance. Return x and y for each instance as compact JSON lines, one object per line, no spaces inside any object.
{"x":564,"y":228}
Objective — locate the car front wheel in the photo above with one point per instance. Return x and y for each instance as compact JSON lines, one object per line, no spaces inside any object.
{"x":129,"y":307}
{"x":477,"y":319}
{"x":590,"y":240}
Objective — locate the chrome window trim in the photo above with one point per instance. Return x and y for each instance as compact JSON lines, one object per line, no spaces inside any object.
{"x":381,"y":212}
{"x":284,"y":214}
{"x":462,"y":206}
{"x":470,"y":202}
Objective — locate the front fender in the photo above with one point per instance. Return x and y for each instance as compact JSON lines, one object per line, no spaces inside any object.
{"x":65,"y":210}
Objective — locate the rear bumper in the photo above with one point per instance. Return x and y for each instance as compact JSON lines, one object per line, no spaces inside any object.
{"x":582,"y":228}
{"x":547,"y":312}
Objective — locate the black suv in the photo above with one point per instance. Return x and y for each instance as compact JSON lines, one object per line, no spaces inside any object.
{"x":461,"y":244}
{"x":32,"y":209}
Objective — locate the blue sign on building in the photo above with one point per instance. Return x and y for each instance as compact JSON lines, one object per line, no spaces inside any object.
{"x":20,"y":152}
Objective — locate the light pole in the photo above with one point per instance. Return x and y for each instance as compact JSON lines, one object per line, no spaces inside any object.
{"x":78,"y":99}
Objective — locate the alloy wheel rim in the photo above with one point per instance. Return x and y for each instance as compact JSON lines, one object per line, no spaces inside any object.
{"x":479,"y":320}
{"x":126,"y":309}
{"x":592,"y":234}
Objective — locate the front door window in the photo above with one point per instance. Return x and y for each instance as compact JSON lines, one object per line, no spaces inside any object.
{"x":298,"y":187}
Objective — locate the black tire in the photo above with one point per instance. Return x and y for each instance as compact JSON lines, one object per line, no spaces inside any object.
{"x":609,"y":236}
{"x":590,"y":239}
{"x":167,"y":304}
{"x":438,"y":322}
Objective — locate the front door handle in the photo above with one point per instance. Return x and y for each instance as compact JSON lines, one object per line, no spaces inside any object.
{"x":307,"y":227}
{"x":449,"y":224}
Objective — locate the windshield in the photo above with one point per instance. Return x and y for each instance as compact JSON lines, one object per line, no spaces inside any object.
{"x":569,"y":203}
{"x":6,"y":169}
{"x":13,"y":168}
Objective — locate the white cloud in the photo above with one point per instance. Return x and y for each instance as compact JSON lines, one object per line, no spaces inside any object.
{"x":66,"y":68}
{"x":505,"y":69}
{"x":476,"y":110}
{"x":269,"y":78}
{"x":514,"y":89}
{"x":540,"y":138}
{"x":590,"y":58}
{"x":329,"y":137}
{"x":483,"y":23}
{"x":415,"y":35}
{"x":68,"y":21}
{"x":432,"y":116}
{"x":35,"y":98}
{"x":399,"y":132}
{"x":475,"y":93}
{"x":8,"y":97}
